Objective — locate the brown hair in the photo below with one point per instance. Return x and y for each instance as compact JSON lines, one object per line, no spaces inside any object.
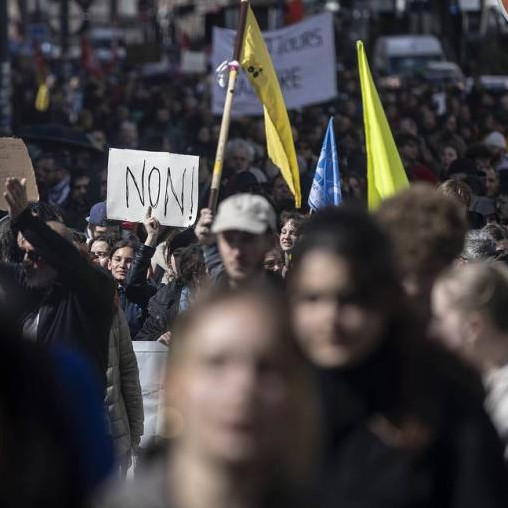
{"x":457,"y":190}
{"x":427,"y":229}
{"x":297,"y":218}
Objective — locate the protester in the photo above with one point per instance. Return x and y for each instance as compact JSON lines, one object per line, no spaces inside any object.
{"x":100,"y":250}
{"x":462,"y":194}
{"x":54,"y":179}
{"x":244,"y":229}
{"x":67,"y":300}
{"x":241,"y":413}
{"x":389,"y":395}
{"x":497,"y":144}
{"x":275,"y":261}
{"x":124,"y":401}
{"x":120,"y":263}
{"x":469,"y":308}
{"x":477,"y":247}
{"x":54,"y":446}
{"x":175,"y":297}
{"x":98,"y":223}
{"x":427,"y":230}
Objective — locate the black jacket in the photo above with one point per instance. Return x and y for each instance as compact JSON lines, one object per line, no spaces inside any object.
{"x":162,"y":311}
{"x":402,"y":432}
{"x":77,"y":310}
{"x":138,"y":290}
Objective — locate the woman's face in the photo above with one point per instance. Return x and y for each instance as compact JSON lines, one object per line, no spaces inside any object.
{"x":288,"y":236}
{"x":334,"y":327}
{"x":120,"y":263}
{"x":232,"y":387}
{"x":448,"y":155}
{"x":100,"y":253}
{"x":356,"y":188}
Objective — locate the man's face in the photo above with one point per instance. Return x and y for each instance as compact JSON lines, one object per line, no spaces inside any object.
{"x":242,"y":254}
{"x":48,"y":172}
{"x":100,"y":253}
{"x":80,"y":189}
{"x":38,"y":274}
{"x":409,"y":151}
{"x":491,"y":182}
{"x":280,"y":191}
{"x":239,"y":161}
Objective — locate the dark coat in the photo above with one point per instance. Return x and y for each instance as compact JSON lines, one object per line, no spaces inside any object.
{"x":162,"y":311}
{"x":77,"y":310}
{"x":404,"y":432}
{"x":138,"y":290}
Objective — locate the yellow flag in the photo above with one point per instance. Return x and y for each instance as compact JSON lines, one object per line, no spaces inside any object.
{"x":385,"y":173}
{"x":42,"y":98}
{"x":258,"y":66}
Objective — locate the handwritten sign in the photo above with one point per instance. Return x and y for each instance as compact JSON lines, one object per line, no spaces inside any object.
{"x":15,"y":161}
{"x":303,"y":56}
{"x":167,"y":182}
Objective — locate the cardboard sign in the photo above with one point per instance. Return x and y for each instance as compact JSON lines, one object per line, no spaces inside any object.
{"x":15,"y":162}
{"x":303,"y":56}
{"x":167,"y":182}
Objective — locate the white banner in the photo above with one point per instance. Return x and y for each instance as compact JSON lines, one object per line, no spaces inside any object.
{"x":167,"y":182}
{"x":152,"y":359}
{"x":303,"y":56}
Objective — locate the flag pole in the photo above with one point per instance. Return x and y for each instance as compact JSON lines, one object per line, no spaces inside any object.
{"x":234,"y":68}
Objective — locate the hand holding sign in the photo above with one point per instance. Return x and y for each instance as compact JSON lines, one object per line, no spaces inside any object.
{"x":168,"y":183}
{"x":16,"y":197}
{"x":152,"y":227}
{"x":202,"y":230}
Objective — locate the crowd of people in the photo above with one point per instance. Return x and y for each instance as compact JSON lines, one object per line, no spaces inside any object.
{"x":339,"y":358}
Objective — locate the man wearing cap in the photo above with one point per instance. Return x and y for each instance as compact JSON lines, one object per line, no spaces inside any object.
{"x":237,"y":240}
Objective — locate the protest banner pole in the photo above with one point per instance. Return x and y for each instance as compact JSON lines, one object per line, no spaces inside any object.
{"x":234,"y":68}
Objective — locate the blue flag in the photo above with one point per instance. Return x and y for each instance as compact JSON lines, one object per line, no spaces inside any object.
{"x":325,"y":188}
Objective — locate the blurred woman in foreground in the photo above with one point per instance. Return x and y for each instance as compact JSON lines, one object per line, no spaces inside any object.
{"x":239,"y":408}
{"x":470,"y":306}
{"x":401,"y":428}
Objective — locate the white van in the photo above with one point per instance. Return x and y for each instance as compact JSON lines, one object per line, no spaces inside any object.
{"x":403,"y":55}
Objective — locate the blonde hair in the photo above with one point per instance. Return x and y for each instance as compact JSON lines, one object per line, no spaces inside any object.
{"x":479,"y":286}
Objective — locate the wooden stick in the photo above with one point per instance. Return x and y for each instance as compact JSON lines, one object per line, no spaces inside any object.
{"x":234,"y":68}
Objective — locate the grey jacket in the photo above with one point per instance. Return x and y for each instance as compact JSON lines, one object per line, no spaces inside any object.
{"x":124,"y":401}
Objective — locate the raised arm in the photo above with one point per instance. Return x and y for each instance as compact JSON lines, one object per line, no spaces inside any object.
{"x":55,"y":249}
{"x":138,"y":288}
{"x":204,"y":235}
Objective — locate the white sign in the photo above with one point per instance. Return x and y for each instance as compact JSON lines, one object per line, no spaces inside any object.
{"x":167,"y":182}
{"x":303,"y":56}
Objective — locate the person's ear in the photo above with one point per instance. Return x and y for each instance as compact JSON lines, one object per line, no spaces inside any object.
{"x":109,"y":264}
